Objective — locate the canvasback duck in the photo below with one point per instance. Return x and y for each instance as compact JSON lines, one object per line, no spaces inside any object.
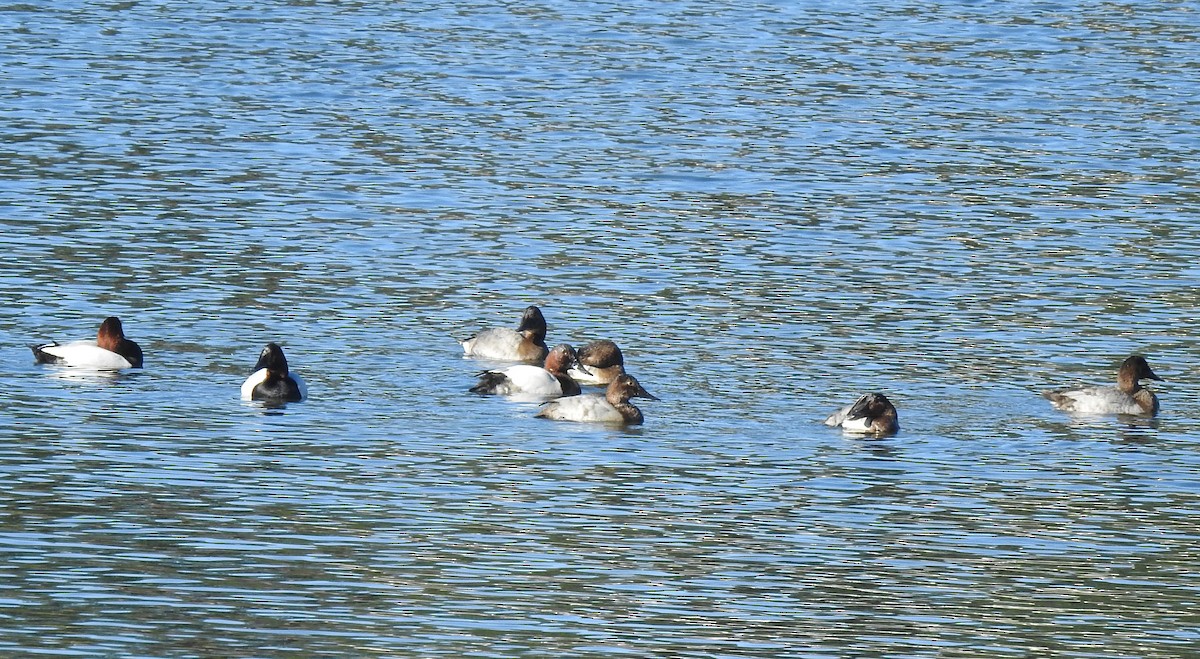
{"x":271,"y":379}
{"x":527,"y":343}
{"x":1127,"y":397}
{"x":603,"y":361}
{"x":871,"y":414}
{"x":111,"y":351}
{"x":612,"y":406}
{"x":549,"y":382}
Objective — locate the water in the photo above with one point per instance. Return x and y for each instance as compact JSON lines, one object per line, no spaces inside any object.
{"x":770,"y":207}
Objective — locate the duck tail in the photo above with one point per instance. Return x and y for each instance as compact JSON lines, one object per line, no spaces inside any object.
{"x":1057,"y":399}
{"x":41,"y":356}
{"x":544,"y":410}
{"x":489,"y":381}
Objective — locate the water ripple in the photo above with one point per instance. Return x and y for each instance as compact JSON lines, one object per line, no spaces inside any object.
{"x":770,"y":207}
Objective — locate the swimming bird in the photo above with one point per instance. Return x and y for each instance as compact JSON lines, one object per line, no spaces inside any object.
{"x":603,"y":361}
{"x":871,"y":414}
{"x":1127,"y":397}
{"x":549,"y":382}
{"x":612,"y":406}
{"x":271,"y":379}
{"x":110,"y":351}
{"x":527,"y":343}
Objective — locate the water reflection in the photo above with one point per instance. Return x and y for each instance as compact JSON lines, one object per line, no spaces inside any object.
{"x":86,"y":375}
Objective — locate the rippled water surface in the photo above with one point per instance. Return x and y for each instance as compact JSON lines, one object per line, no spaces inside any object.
{"x":771,"y":207}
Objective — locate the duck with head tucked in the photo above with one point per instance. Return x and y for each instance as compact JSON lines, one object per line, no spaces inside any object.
{"x":272,"y":381}
{"x":527,"y":343}
{"x":111,"y":351}
{"x":612,"y":406}
{"x":529,"y":380}
{"x":1127,"y":397}
{"x":871,"y":414}
{"x":602,"y":360}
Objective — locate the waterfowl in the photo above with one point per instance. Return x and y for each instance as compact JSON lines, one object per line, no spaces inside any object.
{"x":110,"y":351}
{"x":603,"y":361}
{"x":871,"y":414}
{"x":527,"y":343}
{"x":271,"y":379}
{"x":612,"y":406}
{"x":1127,"y":397}
{"x":549,"y":382}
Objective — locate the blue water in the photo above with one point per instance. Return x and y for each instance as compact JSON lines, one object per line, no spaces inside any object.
{"x":771,"y":207}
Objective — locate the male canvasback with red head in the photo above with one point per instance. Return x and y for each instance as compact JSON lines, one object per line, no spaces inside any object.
{"x":1127,"y":397}
{"x":527,"y":343}
{"x":871,"y":414}
{"x":603,"y":362}
{"x":551,"y":381}
{"x":272,"y":381}
{"x":111,"y":351}
{"x":612,"y":406}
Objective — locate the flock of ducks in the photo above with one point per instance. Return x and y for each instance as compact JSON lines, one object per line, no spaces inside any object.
{"x":557,"y":375}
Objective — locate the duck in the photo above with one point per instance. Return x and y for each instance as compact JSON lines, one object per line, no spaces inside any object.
{"x":551,"y":381}
{"x":612,"y":406}
{"x":527,"y":343}
{"x":871,"y":414}
{"x":111,"y":351}
{"x":271,"y":379}
{"x":603,"y":363}
{"x":1127,"y":397}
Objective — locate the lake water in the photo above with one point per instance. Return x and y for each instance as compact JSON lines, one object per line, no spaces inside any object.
{"x":771,"y":207}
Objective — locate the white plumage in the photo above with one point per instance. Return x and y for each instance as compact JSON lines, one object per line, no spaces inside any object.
{"x":258,"y":377}
{"x":587,"y":407}
{"x":1127,"y":397}
{"x":1098,"y":400}
{"x":612,"y":406}
{"x":86,"y":354}
{"x":527,"y":379}
{"x":498,"y":343}
{"x":527,"y":343}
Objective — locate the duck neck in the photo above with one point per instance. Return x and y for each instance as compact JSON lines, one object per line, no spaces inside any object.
{"x":569,"y":386}
{"x":1127,"y":381}
{"x":537,"y":336}
{"x":630,"y":411}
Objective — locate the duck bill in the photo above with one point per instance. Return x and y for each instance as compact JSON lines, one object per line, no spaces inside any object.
{"x":642,"y":393}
